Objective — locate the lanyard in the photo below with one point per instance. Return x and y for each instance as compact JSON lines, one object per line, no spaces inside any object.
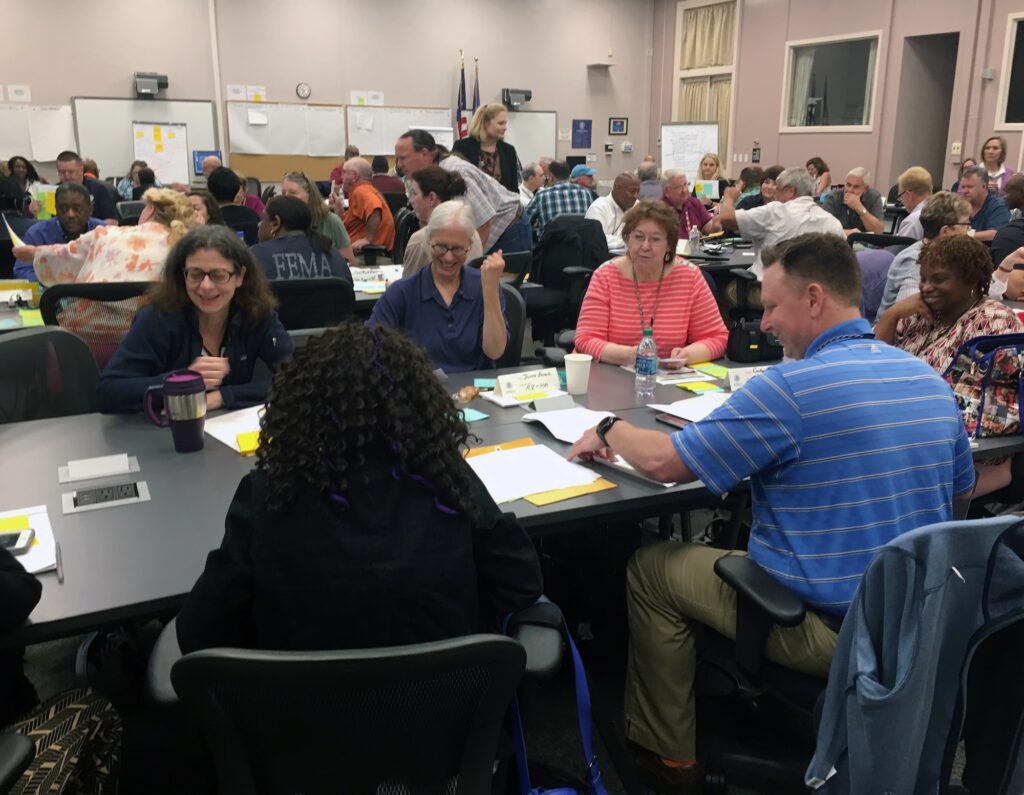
{"x":639,"y":302}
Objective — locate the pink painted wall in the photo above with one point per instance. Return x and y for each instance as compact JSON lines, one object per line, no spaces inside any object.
{"x":767,"y":25}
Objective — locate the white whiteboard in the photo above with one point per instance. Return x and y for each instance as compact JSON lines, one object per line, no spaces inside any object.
{"x":164,"y":147}
{"x":683,"y":144}
{"x":533,"y":133}
{"x":104,"y":126}
{"x":38,"y":132}
{"x":375,"y":128}
{"x":266,"y":128}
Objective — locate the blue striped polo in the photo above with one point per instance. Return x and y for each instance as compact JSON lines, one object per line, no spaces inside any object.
{"x":845,"y":449}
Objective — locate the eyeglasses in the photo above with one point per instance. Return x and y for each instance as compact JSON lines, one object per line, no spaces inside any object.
{"x":440,"y":249}
{"x":655,"y":240}
{"x":902,"y":193}
{"x":217,"y":275}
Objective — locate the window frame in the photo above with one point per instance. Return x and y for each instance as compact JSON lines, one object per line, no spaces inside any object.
{"x":708,"y":72}
{"x":1013,"y":19}
{"x":787,"y":84}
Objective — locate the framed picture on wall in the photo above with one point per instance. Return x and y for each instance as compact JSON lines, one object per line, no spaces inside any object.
{"x":618,"y":126}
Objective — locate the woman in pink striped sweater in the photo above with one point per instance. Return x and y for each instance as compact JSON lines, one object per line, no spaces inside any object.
{"x":650,"y":287}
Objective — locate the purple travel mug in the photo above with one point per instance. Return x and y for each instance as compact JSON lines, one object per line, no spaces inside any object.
{"x":184,"y":396}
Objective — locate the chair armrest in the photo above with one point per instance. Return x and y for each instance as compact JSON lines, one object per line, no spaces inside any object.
{"x":370,"y":254}
{"x":158,"y":671}
{"x":552,"y":357}
{"x":566,"y":340}
{"x":576,"y":270}
{"x":538,"y":628}
{"x":742,"y":273}
{"x":761,"y":602}
{"x":16,"y":754}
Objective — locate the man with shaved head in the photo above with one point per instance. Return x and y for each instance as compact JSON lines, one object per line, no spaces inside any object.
{"x":368,"y":218}
{"x":610,"y":209}
{"x":211,"y":164}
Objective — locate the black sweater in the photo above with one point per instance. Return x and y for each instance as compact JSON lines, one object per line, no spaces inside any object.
{"x":469,"y":148}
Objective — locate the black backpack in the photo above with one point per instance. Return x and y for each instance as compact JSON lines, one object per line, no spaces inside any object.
{"x":747,"y":343}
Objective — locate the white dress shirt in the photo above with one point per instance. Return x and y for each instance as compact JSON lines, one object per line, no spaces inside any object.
{"x":776,"y":221}
{"x":610,"y":215}
{"x":525,"y":194}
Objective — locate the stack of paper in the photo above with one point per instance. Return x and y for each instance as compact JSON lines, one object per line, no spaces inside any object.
{"x":42,"y":555}
{"x":375,"y":280}
{"x":228,"y":427}
{"x":694,"y":409}
{"x":567,"y":424}
{"x":516,"y":473}
{"x":506,"y":401}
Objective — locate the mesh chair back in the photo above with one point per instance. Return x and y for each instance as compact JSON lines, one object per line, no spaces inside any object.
{"x":45,"y":372}
{"x":313,"y":303}
{"x":100,"y":314}
{"x":128,"y":212}
{"x":874,"y":268}
{"x":396,"y":200}
{"x":515,"y":314}
{"x":406,"y":224}
{"x":249,"y":231}
{"x":419,"y":718}
{"x":518,"y":263}
{"x":253,"y":186}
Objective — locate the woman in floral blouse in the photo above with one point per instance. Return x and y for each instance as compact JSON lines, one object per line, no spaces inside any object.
{"x":952,"y":308}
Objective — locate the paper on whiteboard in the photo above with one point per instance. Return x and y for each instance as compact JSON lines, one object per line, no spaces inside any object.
{"x":364,"y":121}
{"x":693,"y":409}
{"x":367,"y":97}
{"x":568,"y":425}
{"x":512,"y":474}
{"x":256,"y":93}
{"x":42,"y":555}
{"x":226,"y":427}
{"x":52,"y":130}
{"x":257,"y":117}
{"x":19,"y":94}
{"x":14,"y":133}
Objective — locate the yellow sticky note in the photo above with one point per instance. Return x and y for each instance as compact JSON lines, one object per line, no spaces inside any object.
{"x":257,"y":97}
{"x":31,"y":317}
{"x":709,"y":368}
{"x":140,"y":134}
{"x":50,"y":202}
{"x":158,"y":134}
{"x":14,"y":524}
{"x":700,"y":386}
{"x":531,"y":395}
{"x":15,"y":240}
{"x":171,"y":135}
{"x":557,"y":495}
{"x":159,"y":147}
{"x":248,"y":442}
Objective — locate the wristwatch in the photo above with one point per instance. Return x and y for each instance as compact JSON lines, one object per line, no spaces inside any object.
{"x":604,"y":426}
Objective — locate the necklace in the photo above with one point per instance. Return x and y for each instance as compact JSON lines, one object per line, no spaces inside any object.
{"x":841,"y":337}
{"x":639,"y":302}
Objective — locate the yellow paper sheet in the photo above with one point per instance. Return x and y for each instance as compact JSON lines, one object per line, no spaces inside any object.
{"x":531,"y":395}
{"x":15,"y":240}
{"x":557,"y":495}
{"x":248,"y":442}
{"x":526,"y":441}
{"x":712,"y":369}
{"x":699,"y":387}
{"x":30,"y":318}
{"x":14,"y":524}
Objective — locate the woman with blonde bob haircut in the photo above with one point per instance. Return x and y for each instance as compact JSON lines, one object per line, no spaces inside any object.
{"x":710,"y":170}
{"x":650,"y":287}
{"x":118,"y":253}
{"x":486,"y":148}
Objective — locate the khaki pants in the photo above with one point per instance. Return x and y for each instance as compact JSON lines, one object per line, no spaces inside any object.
{"x":668,"y":586}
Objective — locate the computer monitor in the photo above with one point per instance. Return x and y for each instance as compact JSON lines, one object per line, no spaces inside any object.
{"x":199,"y":155}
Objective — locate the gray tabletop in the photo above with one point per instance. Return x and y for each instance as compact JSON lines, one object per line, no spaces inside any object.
{"x":730,"y":258}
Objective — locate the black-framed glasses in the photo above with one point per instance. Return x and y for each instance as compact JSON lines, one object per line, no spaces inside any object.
{"x":440,"y":249}
{"x":216,"y":275}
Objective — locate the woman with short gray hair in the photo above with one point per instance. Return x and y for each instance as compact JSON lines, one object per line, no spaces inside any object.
{"x":456,"y":313}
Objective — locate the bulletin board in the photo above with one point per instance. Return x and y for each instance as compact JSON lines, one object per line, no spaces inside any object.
{"x":164,"y":148}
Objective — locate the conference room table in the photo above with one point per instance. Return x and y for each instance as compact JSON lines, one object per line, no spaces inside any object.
{"x":138,"y":561}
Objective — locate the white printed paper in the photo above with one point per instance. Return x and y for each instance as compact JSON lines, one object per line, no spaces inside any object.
{"x":226,"y":428}
{"x":235,"y":92}
{"x":364,"y":121}
{"x":738,"y":376}
{"x":568,"y":425}
{"x":19,"y":94}
{"x":256,"y":93}
{"x":693,"y":409}
{"x":513,"y":474}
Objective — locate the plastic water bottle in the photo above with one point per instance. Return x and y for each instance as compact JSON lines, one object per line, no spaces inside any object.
{"x":646,"y":365}
{"x":694,"y":239}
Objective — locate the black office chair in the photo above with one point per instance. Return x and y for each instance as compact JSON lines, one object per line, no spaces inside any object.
{"x":406,"y":224}
{"x":515,"y":314}
{"x":45,"y":372}
{"x":100,"y":314}
{"x":268,"y":193}
{"x":893,"y":243}
{"x":20,"y":226}
{"x":396,"y":200}
{"x":128,"y":212}
{"x":518,"y":264}
{"x":16,"y":754}
{"x":253,"y":186}
{"x":313,"y":303}
{"x":249,"y":231}
{"x":300,"y":337}
{"x":571,"y":248}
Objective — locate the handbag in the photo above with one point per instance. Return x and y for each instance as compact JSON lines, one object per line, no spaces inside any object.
{"x":545,"y":613}
{"x":985,"y":375}
{"x":747,"y":343}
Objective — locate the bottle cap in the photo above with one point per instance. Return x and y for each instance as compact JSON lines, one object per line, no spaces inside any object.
{"x":648,"y":332}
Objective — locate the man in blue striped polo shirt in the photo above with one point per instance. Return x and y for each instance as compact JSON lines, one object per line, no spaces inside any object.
{"x":846,"y":448}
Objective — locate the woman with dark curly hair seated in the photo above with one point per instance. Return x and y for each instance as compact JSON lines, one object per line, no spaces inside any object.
{"x":211,"y":312}
{"x":361,"y":525}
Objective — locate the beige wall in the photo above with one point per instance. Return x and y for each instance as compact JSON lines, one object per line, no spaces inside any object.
{"x":768,"y":24}
{"x":406,"y":48}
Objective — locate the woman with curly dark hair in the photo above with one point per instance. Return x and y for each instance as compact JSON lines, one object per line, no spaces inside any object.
{"x":362,"y":525}
{"x":211,"y":312}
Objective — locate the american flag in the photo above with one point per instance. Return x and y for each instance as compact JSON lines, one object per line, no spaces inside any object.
{"x":461,"y":123}
{"x":476,"y":84}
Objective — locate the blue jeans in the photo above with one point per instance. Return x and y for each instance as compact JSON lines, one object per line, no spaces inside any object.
{"x":516,"y":238}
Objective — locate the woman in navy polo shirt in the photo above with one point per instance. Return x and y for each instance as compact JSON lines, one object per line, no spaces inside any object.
{"x":456,"y":313}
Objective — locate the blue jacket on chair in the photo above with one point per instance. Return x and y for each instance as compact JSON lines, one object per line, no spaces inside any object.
{"x":160,"y":342}
{"x":892,"y":690}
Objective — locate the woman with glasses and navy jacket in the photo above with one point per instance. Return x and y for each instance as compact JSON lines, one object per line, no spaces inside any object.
{"x":212,"y":312}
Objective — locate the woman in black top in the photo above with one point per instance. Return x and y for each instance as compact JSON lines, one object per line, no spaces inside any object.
{"x":362,"y":525}
{"x":290,"y":248}
{"x":486,"y":149}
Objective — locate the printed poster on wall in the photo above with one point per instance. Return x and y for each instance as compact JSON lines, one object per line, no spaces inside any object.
{"x":581,"y":129}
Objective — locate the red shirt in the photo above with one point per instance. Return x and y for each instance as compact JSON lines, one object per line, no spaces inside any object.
{"x":686,"y":312}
